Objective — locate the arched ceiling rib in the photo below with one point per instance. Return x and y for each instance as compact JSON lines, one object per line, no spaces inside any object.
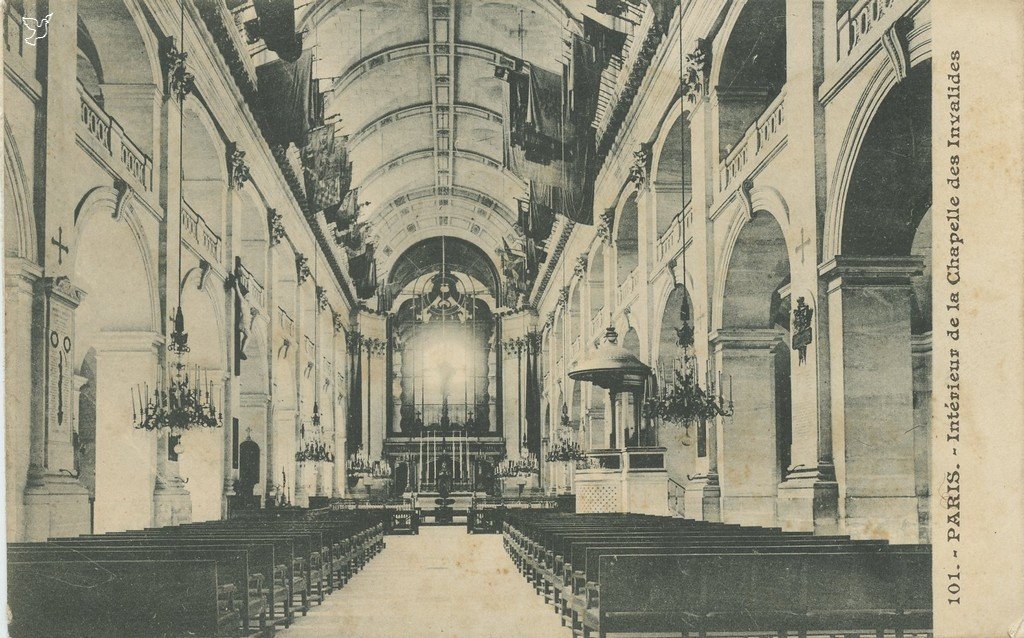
{"x":413,"y":83}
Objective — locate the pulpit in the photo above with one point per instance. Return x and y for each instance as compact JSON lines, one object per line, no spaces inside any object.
{"x":623,"y":479}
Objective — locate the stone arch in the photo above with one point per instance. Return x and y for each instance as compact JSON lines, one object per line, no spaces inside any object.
{"x":110,"y":32}
{"x":104,"y":213}
{"x":672,"y":170}
{"x":201,"y":462}
{"x":596,"y":280}
{"x":20,"y":234}
{"x":748,"y":67}
{"x":755,"y":441}
{"x":882,"y":82}
{"x":204,"y":187}
{"x":878,"y":287}
{"x":764,"y":201}
{"x":627,"y":256}
{"x":117,"y":328}
{"x":680,"y":453}
{"x":758,"y":266}
{"x":255,"y":240}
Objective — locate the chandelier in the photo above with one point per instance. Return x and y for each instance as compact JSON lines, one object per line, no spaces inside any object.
{"x":315,"y":450}
{"x":180,"y":401}
{"x":184,"y":397}
{"x":524,"y":467}
{"x":359,"y":465}
{"x":564,"y":448}
{"x":681,"y":399}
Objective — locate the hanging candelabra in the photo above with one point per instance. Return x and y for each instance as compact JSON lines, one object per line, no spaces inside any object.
{"x":359,"y":465}
{"x":184,"y":397}
{"x":524,"y":467}
{"x":565,"y":448}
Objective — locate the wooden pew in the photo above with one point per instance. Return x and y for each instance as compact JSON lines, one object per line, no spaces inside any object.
{"x":108,"y":599}
{"x":786,"y":593}
{"x":235,"y":582}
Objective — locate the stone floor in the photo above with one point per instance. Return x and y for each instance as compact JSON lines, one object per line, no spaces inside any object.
{"x":443,"y":582}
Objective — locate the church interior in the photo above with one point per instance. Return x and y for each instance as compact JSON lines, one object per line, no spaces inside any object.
{"x":306,"y":298}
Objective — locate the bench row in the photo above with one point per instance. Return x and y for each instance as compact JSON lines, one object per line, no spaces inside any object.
{"x":219,"y":578}
{"x":635,"y":574}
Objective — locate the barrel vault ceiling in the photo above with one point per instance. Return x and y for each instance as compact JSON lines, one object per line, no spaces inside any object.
{"x":413,"y":84}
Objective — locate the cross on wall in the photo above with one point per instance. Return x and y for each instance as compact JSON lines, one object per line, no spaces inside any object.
{"x":62,"y":248}
{"x":802,"y":246}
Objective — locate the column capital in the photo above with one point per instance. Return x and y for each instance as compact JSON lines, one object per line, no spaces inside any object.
{"x":746,"y":339}
{"x":870,"y":271}
{"x":21,"y":273}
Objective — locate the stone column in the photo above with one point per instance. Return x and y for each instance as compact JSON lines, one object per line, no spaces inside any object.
{"x":747,"y":442}
{"x":514,"y":411}
{"x":19,"y":282}
{"x":808,"y":494}
{"x":872,"y":395}
{"x":377,"y":392}
{"x":921,"y":349}
{"x":128,"y":465}
{"x":56,"y":504}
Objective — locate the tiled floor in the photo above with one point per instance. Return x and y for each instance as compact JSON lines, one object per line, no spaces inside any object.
{"x":443,"y":582}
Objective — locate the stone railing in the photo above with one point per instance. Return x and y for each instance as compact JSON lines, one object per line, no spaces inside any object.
{"x":671,"y":239}
{"x":195,"y":230}
{"x":14,"y":38}
{"x":628,"y":286}
{"x":598,"y":324}
{"x":118,"y":147}
{"x":257,"y":294}
{"x":759,"y":136}
{"x":859,"y":21}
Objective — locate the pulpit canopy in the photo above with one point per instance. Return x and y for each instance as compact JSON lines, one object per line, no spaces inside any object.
{"x":612,"y":367}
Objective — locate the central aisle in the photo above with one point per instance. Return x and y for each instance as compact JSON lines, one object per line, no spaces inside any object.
{"x":443,"y":582}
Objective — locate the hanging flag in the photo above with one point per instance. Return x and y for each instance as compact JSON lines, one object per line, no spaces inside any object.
{"x":285,"y":91}
{"x":277,"y":27}
{"x":611,"y":7}
{"x":663,"y":12}
{"x":326,"y":170}
{"x":362,"y":267}
{"x":607,"y":42}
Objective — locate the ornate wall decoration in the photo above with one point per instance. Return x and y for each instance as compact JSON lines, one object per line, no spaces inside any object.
{"x":802,"y":331}
{"x":745,"y":198}
{"x":606,"y":225}
{"x":275,"y":226}
{"x":238,"y":170}
{"x":376,"y":347}
{"x":695,"y":73}
{"x":321,"y":298}
{"x":339,"y":322}
{"x":177,"y":80}
{"x":563,"y":296}
{"x":579,"y":269}
{"x":896,"y":42}
{"x":640,"y":171}
{"x":302,"y":272}
{"x":125,"y":201}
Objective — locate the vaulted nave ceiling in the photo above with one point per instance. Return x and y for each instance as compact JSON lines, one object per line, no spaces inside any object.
{"x":426,"y":131}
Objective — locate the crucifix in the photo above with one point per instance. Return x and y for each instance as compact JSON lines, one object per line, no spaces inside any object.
{"x":802,"y":246}
{"x":62,"y":248}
